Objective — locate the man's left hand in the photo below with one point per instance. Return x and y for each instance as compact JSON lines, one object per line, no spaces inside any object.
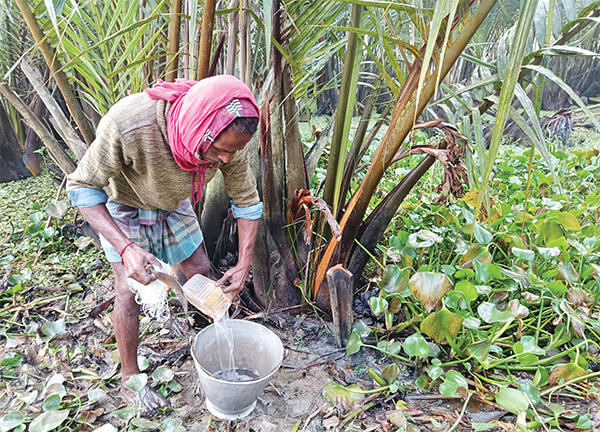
{"x":233,"y":280}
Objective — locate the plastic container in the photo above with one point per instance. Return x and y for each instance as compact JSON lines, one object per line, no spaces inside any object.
{"x":207,"y":297}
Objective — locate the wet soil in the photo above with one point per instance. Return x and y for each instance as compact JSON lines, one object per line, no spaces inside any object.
{"x":86,"y":356}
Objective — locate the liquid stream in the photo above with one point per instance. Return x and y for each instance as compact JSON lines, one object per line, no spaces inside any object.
{"x":225,"y":344}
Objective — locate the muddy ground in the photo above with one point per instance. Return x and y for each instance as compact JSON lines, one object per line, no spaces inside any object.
{"x":85,"y":355}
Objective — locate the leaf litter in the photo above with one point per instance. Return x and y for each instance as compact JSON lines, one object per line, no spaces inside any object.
{"x":509,"y":340}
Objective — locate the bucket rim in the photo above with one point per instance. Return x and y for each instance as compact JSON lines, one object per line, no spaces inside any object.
{"x":238,"y":383}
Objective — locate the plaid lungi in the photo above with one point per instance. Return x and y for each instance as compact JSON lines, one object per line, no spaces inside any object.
{"x":169,"y":236}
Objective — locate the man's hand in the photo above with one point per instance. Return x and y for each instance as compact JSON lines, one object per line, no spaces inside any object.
{"x":233,"y":280}
{"x":135,"y":260}
{"x":134,"y":257}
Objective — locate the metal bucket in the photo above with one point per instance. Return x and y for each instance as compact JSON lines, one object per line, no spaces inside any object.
{"x":255,"y":348}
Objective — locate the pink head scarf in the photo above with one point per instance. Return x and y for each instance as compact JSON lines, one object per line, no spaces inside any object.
{"x":199,"y":112}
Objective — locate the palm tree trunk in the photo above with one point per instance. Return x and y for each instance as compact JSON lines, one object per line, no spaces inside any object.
{"x":57,"y":153}
{"x":208,"y":24}
{"x":173,"y":37}
{"x":273,"y":282}
{"x":57,"y":73}
{"x":406,"y":113}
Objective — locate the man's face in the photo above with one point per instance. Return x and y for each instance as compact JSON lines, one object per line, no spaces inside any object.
{"x":225,"y":145}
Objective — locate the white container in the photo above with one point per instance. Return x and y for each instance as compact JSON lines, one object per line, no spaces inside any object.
{"x":256,"y":348}
{"x":206,"y":296}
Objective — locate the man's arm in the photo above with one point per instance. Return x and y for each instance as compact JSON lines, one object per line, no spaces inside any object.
{"x":134,"y":257}
{"x":233,"y":280}
{"x":247,"y":209}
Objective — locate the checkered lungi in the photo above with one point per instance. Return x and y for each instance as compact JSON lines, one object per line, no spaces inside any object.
{"x":169,"y":236}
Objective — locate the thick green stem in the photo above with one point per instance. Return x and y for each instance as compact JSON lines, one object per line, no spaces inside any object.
{"x":381,"y":350}
{"x":343,"y":115}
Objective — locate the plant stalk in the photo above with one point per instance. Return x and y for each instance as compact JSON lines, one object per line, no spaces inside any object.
{"x":173,"y":36}
{"x":208,"y":23}
{"x":59,"y":76}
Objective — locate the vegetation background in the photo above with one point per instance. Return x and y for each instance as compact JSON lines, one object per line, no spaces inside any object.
{"x":487,"y":268}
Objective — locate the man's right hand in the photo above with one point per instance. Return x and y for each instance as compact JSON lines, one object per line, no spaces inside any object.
{"x":135,"y":260}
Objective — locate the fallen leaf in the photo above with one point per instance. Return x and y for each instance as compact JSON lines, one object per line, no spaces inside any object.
{"x":429,"y":288}
{"x":566,"y":372}
{"x":518,"y":309}
{"x":91,"y":415}
{"x":436,"y":324}
{"x":342,"y":396}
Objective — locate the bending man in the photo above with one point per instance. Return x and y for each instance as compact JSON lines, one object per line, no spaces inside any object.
{"x":154,"y":150}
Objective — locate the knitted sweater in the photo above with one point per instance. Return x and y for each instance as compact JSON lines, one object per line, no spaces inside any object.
{"x":131,"y":160}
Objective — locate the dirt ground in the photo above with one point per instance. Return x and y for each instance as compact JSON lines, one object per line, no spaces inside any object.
{"x":85,"y":355}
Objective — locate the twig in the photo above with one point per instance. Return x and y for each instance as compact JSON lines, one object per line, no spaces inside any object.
{"x":290,"y":308}
{"x":462,"y":413}
{"x":48,"y":288}
{"x":372,"y":397}
{"x":478,"y":385}
{"x":317,"y":362}
{"x":275,"y":388}
{"x":487,"y":402}
{"x":57,"y":310}
{"x":356,"y":413}
{"x":10,"y":234}
{"x":313,"y":415}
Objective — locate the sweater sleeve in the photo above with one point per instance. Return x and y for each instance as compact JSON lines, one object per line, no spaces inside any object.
{"x":239,"y":181}
{"x":104,"y":159}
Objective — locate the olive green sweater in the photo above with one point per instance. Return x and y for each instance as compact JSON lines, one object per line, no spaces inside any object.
{"x":131,"y":160}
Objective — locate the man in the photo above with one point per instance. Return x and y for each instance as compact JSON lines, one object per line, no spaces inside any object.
{"x":134,"y":181}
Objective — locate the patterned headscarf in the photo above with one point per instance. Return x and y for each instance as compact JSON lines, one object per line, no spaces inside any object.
{"x":199,"y":112}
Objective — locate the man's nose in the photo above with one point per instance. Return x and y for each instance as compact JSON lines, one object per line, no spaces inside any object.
{"x":225,"y":157}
